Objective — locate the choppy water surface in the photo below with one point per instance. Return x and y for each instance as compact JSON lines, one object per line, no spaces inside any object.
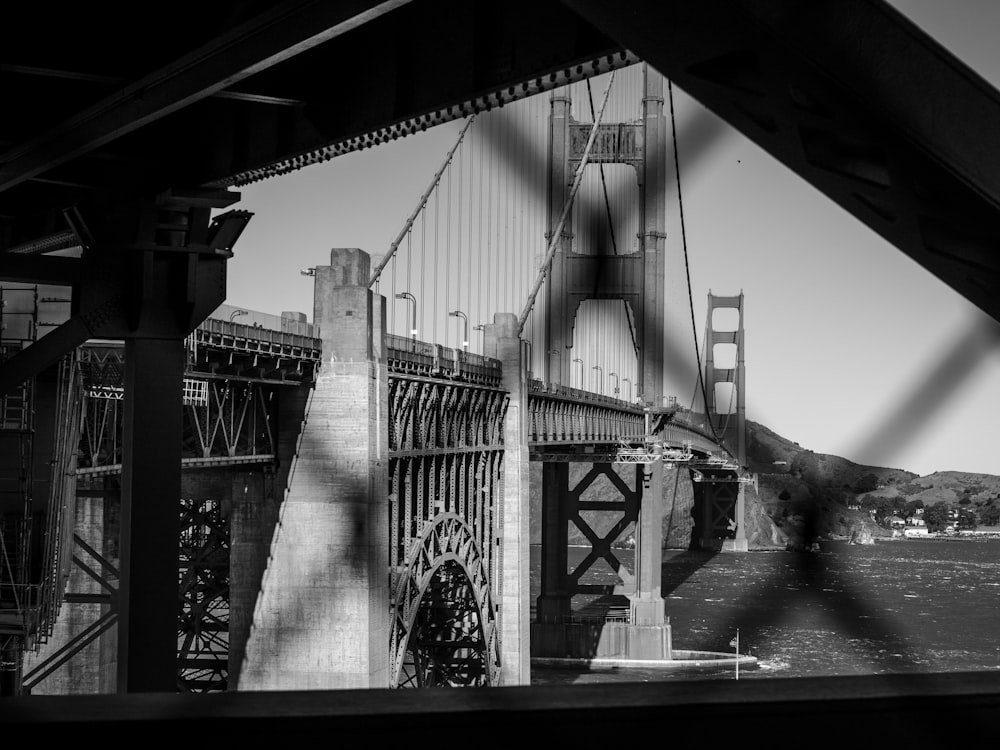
{"x":898,"y":607}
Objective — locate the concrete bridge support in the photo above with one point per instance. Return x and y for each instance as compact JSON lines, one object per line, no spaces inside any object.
{"x":719,"y":513}
{"x":321,"y":619}
{"x":80,"y":655}
{"x":556,"y":632}
{"x":504,"y":344}
{"x":554,"y":604}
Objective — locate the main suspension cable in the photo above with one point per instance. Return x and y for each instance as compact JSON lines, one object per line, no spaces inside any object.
{"x":420,"y":204}
{"x":687,"y":268}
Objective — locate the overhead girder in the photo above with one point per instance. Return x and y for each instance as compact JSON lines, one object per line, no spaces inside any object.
{"x":294,"y":84}
{"x":267,"y":39}
{"x":856,"y":100}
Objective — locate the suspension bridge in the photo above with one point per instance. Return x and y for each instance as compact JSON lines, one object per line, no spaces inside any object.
{"x":358,"y":413}
{"x":347,"y":502}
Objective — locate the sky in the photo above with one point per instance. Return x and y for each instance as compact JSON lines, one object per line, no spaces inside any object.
{"x":851,"y":348}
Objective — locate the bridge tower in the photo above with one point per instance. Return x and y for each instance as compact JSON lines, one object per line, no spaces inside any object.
{"x":725,"y":385}
{"x":638,"y":279}
{"x":719,"y":489}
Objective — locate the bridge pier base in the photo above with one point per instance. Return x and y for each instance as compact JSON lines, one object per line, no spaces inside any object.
{"x":80,"y":655}
{"x":504,"y":344}
{"x":719,"y":515}
{"x":254,"y":515}
{"x":554,"y":604}
{"x":739,"y":543}
{"x":322,"y":617}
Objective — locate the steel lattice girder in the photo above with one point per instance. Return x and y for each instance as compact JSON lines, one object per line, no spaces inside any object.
{"x":203,"y":623}
{"x":445,"y":459}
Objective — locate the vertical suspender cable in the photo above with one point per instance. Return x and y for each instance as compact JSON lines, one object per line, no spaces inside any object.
{"x":480,"y":253}
{"x":471,"y":248}
{"x":447,"y":252}
{"x":505,"y":213}
{"x":420,"y":204}
{"x":458,"y":232}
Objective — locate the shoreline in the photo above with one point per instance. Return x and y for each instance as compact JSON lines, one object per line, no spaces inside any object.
{"x":683,"y":659}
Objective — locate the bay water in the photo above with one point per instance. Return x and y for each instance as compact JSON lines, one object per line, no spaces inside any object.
{"x":908,"y":607}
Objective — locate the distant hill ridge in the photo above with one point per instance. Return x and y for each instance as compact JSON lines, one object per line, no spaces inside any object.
{"x":797,"y":485}
{"x":801,"y":495}
{"x":766,"y":450}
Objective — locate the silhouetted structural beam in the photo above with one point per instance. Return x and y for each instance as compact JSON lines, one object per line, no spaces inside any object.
{"x":39,"y":269}
{"x":852,"y":97}
{"x":399,"y":68}
{"x":270,"y":38}
{"x":437,"y":61}
{"x":581,"y":714}
{"x":33,"y":359}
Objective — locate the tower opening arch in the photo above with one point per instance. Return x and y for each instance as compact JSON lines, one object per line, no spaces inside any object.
{"x":602,"y":347}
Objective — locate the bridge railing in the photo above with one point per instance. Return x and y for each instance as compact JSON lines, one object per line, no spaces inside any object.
{"x":297,"y":340}
{"x":559,"y":415}
{"x":409,"y":356}
{"x":576,"y":394}
{"x":293,"y":323}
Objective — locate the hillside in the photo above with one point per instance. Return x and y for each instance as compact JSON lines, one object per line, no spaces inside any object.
{"x":799,"y":487}
{"x":801,"y":496}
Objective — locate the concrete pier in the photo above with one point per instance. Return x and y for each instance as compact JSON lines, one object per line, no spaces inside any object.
{"x":504,"y":344}
{"x":321,"y":620}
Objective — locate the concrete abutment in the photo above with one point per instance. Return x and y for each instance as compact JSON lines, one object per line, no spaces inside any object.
{"x":322,"y":617}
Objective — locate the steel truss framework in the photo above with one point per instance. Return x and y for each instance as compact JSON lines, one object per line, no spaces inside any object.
{"x":17,"y":410}
{"x":203,"y":622}
{"x":715,"y":496}
{"x":560,"y":418}
{"x":572,"y":510}
{"x":227,"y":421}
{"x":445,"y":490}
{"x":203,"y":601}
{"x":233,"y":423}
{"x":97,"y":585}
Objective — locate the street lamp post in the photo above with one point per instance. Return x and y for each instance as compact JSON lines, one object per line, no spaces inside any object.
{"x":617,"y":381}
{"x":629,"y":389}
{"x":577,"y":359}
{"x":600,"y":378}
{"x":413,"y":328}
{"x":235,"y":314}
{"x":482,"y":335}
{"x":465,"y":320}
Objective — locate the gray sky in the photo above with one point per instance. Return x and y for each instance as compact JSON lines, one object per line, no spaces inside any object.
{"x":851,"y":347}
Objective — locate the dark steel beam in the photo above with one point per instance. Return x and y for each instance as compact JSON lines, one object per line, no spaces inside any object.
{"x":268,"y":39}
{"x":150,"y":524}
{"x":854,"y":98}
{"x":39,"y":269}
{"x":587,"y":714}
{"x":42,"y":353}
